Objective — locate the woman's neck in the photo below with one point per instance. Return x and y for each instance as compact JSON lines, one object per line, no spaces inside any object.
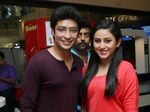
{"x":103,"y":67}
{"x":105,"y":62}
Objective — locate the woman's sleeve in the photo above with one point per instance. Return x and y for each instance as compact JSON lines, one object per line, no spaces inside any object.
{"x":131,"y":90}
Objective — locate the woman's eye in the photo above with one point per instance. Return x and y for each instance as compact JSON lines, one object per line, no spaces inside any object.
{"x":107,"y":41}
{"x":97,"y":40}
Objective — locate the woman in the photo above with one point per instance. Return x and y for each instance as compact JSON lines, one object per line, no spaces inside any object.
{"x":110,"y":84}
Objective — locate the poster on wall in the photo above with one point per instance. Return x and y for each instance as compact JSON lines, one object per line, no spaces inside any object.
{"x":49,"y":36}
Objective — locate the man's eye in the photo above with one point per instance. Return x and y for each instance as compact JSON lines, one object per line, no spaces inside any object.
{"x":87,"y":34}
{"x":61,"y":29}
{"x":74,"y":30}
{"x":80,"y":34}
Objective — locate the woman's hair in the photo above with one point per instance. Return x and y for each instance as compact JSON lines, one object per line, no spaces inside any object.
{"x":111,"y":79}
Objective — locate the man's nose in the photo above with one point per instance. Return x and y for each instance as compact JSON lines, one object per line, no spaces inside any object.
{"x":82,"y":37}
{"x":67,"y":34}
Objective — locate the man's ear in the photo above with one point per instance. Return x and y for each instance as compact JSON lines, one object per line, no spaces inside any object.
{"x":119,"y":42}
{"x":53,"y":32}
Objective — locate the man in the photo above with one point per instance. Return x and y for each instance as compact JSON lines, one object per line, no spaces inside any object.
{"x":7,"y":83}
{"x":53,"y":75}
{"x":81,"y":48}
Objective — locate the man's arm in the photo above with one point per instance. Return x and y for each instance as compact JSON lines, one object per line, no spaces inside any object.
{"x":11,"y":79}
{"x":30,"y":88}
{"x":8,"y":80}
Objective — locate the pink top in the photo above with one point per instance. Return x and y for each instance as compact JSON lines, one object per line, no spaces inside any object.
{"x":126,"y":96}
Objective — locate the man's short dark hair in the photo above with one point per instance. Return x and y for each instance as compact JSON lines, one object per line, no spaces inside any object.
{"x":65,"y":12}
{"x":84,"y":23}
{"x":2,"y":55}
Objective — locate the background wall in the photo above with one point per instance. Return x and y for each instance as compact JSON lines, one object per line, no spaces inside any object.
{"x":142,"y":5}
{"x":139,"y":53}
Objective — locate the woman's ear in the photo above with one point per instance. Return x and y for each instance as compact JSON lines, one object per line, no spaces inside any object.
{"x":119,"y":42}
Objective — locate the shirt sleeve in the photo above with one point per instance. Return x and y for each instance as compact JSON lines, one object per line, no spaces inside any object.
{"x":30,"y":88}
{"x":131,"y":90}
{"x":12,"y":73}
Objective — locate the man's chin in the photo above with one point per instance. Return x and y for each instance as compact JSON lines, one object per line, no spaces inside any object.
{"x":82,"y":47}
{"x":83,"y":51}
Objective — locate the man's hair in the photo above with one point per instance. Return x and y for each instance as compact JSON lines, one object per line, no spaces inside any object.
{"x":65,"y":12}
{"x":2,"y":55}
{"x":84,"y":23}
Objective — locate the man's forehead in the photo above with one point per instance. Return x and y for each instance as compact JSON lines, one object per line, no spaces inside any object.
{"x":84,"y":30}
{"x":67,"y":23}
{"x":66,"y":27}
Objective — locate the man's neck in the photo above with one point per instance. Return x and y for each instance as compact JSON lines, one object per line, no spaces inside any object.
{"x":62,"y":55}
{"x":83,"y":55}
{"x":58,"y":53}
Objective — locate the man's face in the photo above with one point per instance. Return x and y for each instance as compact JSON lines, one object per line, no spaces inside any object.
{"x":83,"y":40}
{"x":66,"y":32}
{"x":2,"y":61}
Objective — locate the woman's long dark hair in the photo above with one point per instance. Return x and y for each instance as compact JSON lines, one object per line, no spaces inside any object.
{"x":111,"y":79}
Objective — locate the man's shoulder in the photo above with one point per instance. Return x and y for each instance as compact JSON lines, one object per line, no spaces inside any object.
{"x":78,"y":60}
{"x":40,"y":56}
{"x":73,"y":51}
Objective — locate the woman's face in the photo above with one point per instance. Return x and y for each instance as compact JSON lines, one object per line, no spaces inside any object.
{"x":105,"y":44}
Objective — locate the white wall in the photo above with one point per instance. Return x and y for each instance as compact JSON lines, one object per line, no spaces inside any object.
{"x":139,"y":51}
{"x":140,"y":57}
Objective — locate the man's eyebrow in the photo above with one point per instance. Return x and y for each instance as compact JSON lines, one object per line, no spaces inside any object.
{"x":84,"y":33}
{"x":61,"y":26}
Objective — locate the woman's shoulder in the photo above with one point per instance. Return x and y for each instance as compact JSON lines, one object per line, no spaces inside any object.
{"x":126,"y":69}
{"x":125,"y":64}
